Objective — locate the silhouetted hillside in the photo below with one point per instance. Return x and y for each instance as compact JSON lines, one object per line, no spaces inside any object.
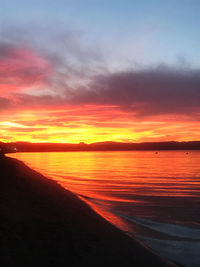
{"x":101,"y":146}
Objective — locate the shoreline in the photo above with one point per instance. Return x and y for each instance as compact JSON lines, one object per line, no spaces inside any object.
{"x":44,"y":224}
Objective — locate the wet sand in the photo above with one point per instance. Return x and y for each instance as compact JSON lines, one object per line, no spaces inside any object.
{"x":42,"y":224}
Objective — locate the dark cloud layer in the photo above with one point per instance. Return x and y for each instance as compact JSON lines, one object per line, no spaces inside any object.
{"x":143,"y":93}
{"x":149,"y":92}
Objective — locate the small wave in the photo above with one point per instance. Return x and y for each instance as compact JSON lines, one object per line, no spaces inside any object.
{"x":174,"y":230}
{"x":184,"y":252}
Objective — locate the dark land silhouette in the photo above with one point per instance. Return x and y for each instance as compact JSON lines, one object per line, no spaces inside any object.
{"x":100,"y":146}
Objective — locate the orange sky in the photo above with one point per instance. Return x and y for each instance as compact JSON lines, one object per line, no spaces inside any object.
{"x":91,"y":124}
{"x":39,"y":103}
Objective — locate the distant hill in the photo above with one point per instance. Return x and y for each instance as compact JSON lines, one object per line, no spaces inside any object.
{"x":100,"y":146}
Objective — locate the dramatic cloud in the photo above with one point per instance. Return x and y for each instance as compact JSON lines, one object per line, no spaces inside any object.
{"x":58,"y":69}
{"x":20,"y":68}
{"x":5,"y":103}
{"x":149,"y":92}
{"x":58,"y":88}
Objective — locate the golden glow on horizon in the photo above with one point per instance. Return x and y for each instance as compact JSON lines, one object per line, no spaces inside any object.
{"x":91,"y":124}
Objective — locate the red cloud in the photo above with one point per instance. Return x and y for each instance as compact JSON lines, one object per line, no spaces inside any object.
{"x":21,"y":68}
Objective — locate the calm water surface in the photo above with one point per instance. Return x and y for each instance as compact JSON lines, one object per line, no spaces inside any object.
{"x":154,"y":197}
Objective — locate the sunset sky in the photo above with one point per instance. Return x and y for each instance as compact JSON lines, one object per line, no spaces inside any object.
{"x":99,"y":70}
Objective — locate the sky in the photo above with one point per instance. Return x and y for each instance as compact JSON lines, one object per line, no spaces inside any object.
{"x":99,"y":70}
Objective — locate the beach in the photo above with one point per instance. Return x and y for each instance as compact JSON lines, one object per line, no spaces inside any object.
{"x":43,"y":224}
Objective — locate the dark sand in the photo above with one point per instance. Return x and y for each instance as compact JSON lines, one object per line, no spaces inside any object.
{"x":42,"y":224}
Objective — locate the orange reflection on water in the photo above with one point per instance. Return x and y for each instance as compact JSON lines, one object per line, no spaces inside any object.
{"x":111,"y":180}
{"x":109,"y":173}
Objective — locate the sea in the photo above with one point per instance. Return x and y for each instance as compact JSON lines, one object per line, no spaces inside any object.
{"x":153,"y":196}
